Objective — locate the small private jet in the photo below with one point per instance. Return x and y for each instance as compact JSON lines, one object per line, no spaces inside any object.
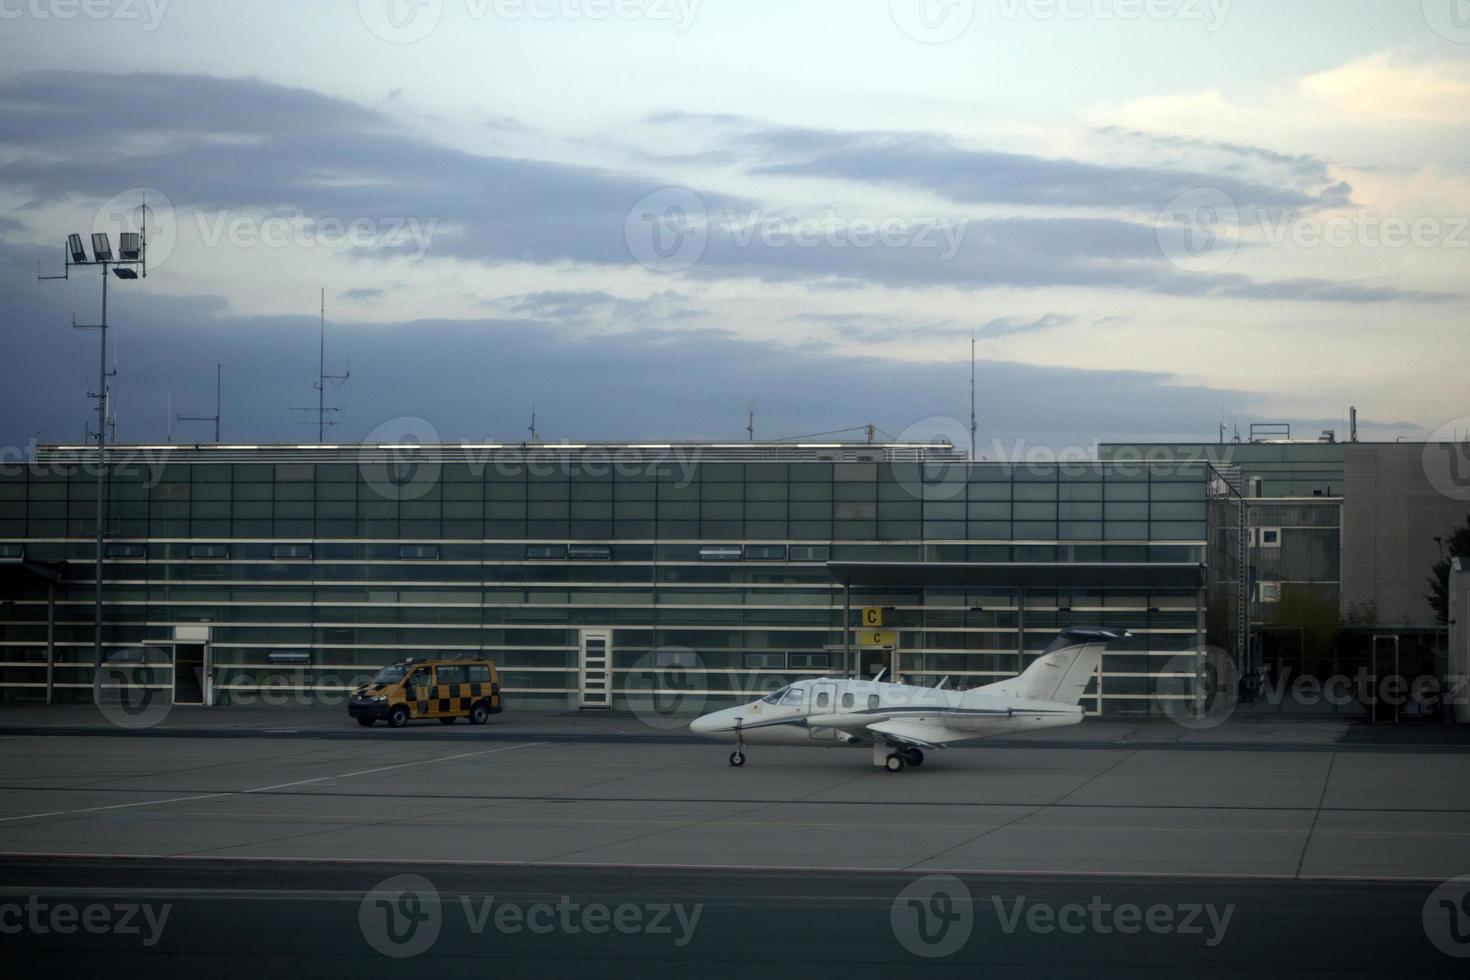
{"x":901,"y":722}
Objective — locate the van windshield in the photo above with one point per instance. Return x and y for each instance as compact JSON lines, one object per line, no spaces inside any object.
{"x":391,"y":674}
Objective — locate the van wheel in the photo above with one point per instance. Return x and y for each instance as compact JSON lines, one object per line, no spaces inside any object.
{"x":366,"y":722}
{"x":398,"y":717}
{"x":447,"y":721}
{"x":479,"y":714}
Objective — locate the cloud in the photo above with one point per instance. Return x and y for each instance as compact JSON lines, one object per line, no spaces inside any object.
{"x":363,"y":294}
{"x":219,"y":147}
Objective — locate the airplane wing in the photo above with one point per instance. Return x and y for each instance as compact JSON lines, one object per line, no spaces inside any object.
{"x":920,"y":734}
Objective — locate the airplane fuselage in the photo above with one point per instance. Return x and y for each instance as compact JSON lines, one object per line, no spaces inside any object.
{"x":838,"y":711}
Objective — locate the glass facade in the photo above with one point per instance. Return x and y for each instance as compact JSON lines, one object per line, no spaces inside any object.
{"x":308,"y":567}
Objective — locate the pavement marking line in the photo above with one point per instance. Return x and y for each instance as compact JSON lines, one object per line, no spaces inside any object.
{"x":267,"y":789}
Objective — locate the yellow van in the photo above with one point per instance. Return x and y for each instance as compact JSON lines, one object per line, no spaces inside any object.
{"x":442,"y":689}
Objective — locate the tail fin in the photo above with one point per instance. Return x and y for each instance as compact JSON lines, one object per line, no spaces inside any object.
{"x":1064,"y":670}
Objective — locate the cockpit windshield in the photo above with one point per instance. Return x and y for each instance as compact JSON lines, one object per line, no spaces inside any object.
{"x":775,"y":696}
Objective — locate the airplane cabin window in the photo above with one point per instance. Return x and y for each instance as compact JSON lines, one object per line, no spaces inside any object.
{"x":822,"y":699}
{"x":872,"y":701}
{"x":847,"y":700}
{"x":793,"y":696}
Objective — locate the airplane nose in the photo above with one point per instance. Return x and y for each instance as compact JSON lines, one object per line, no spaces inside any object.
{"x":702,"y":725}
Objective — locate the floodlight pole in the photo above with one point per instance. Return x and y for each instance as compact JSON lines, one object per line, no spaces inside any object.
{"x":123,"y":264}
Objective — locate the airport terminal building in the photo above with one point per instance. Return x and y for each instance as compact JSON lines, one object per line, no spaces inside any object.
{"x":594,"y":573}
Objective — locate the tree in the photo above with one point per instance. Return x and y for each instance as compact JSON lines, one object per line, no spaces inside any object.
{"x":1456,"y":546}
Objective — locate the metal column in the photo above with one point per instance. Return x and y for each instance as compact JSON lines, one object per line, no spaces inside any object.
{"x":50,"y":641}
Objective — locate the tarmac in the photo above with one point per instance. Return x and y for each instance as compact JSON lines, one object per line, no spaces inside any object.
{"x":1296,"y":821}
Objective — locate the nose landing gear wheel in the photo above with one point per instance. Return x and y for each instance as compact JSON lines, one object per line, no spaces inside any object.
{"x":737,"y":758}
{"x":913,"y":757}
{"x":894,"y":763}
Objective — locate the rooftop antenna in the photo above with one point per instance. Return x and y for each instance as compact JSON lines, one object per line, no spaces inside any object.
{"x":170,"y":416}
{"x":750,"y":422}
{"x":1353,"y":424}
{"x":219,"y":383}
{"x":535,"y":436}
{"x":322,"y":377}
{"x":974,"y":424}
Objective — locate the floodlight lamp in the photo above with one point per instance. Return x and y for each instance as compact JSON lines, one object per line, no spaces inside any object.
{"x":74,"y":246}
{"x":130,"y":246}
{"x":123,"y":272}
{"x":101,"y":247}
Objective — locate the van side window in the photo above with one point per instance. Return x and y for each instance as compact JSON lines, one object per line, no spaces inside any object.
{"x":872,"y":702}
{"x":450,"y":675}
{"x":479,"y":673}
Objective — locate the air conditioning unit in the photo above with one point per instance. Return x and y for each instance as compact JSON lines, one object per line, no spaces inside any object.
{"x":1268,"y":591}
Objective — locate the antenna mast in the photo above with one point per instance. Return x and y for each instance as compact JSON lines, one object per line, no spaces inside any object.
{"x":322,"y":377}
{"x":750,"y":422}
{"x":219,"y":375}
{"x":535,"y":436}
{"x":974,"y":424}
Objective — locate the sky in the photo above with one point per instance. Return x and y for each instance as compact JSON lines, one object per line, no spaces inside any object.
{"x":646,"y":219}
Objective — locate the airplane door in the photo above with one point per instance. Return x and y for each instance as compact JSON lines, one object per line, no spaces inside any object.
{"x":823,"y":701}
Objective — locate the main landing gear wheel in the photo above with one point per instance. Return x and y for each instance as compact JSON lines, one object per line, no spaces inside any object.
{"x":894,"y":763}
{"x":913,"y":757}
{"x":737,"y":758}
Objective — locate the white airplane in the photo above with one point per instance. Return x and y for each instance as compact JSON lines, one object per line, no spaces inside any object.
{"x":900,"y":722}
